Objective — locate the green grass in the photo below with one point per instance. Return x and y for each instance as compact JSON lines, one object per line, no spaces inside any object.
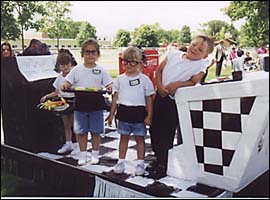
{"x":224,"y":72}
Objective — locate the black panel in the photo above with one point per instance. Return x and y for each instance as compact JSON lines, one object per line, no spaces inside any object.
{"x":212,"y":105}
{"x":246,"y":104}
{"x":196,"y":118}
{"x":200,"y":154}
{"x":212,"y":138}
{"x":231,"y":122}
{"x":227,"y":156}
{"x":216,"y":169}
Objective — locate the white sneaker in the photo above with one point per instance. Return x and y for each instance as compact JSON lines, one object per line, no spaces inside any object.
{"x":119,"y":168}
{"x":65,"y":148}
{"x":139,"y":170}
{"x":94,"y":160}
{"x":83,"y":160}
{"x":76,"y":149}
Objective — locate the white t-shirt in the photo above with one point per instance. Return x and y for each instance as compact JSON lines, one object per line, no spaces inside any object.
{"x":179,"y":69}
{"x":133,"y":90}
{"x":57,"y":83}
{"x":96,"y":77}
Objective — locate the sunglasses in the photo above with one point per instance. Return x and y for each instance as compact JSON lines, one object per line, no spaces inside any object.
{"x":130,"y":62}
{"x":90,"y":52}
{"x":5,"y":49}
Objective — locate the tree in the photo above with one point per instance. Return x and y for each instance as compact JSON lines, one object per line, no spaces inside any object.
{"x":19,"y":16}
{"x":72,"y":29}
{"x":56,"y":20}
{"x":122,"y":38}
{"x":218,"y":29}
{"x":185,"y":35}
{"x":87,"y":31}
{"x":146,"y":36}
{"x":256,"y":14}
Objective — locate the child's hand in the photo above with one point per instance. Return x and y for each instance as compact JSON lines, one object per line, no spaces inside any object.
{"x":109,"y":88}
{"x":172,"y":87}
{"x":162,"y":91}
{"x":110,"y":119}
{"x":148,"y":120}
{"x":43,"y":99}
{"x":64,"y":86}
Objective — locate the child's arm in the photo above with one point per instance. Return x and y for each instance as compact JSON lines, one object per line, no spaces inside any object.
{"x":172,"y":87}
{"x":149,"y":108}
{"x":49,"y":96}
{"x":109,"y":88}
{"x":65,"y":85}
{"x":161,"y":89}
{"x":113,"y":108}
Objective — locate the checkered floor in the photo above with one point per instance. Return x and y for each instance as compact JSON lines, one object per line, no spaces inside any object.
{"x":167,"y":186}
{"x":217,"y":126}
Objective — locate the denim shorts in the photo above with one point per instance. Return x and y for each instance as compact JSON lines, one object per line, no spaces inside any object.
{"x":85,"y":122}
{"x":126,"y":128}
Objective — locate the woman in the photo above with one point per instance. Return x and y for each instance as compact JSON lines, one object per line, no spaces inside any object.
{"x":6,"y":50}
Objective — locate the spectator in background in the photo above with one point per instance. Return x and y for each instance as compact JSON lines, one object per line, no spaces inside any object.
{"x":232,"y":55}
{"x":240,"y":51}
{"x":6,"y":50}
{"x":35,"y":48}
{"x":220,"y":56}
{"x":262,"y":49}
{"x":249,"y":63}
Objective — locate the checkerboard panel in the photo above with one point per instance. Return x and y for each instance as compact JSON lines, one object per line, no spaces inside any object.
{"x":217,"y":129}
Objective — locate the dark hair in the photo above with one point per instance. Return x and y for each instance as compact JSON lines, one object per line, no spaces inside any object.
{"x":64,"y":57}
{"x":90,"y":42}
{"x":73,"y":61}
{"x":7,"y":44}
{"x":35,"y":48}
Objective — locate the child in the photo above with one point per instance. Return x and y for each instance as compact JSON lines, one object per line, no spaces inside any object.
{"x":64,"y":66}
{"x":133,"y":101}
{"x":89,"y":106}
{"x":178,"y":69}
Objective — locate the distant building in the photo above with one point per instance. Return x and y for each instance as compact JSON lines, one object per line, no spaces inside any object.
{"x":36,"y":35}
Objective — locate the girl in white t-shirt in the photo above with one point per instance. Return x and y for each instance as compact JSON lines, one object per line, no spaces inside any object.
{"x":63,"y":65}
{"x":89,"y":106}
{"x":132,"y":98}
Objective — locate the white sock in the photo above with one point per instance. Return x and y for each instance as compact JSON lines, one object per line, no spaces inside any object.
{"x":95,"y":153}
{"x":69,"y":143}
{"x":121,"y":160}
{"x":84,"y":153}
{"x":140,"y":162}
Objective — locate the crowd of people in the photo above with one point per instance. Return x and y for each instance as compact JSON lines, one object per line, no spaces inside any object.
{"x":135,"y":103}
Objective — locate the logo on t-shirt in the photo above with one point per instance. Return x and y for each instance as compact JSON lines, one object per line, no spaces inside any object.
{"x":134,"y":82}
{"x":96,"y":71}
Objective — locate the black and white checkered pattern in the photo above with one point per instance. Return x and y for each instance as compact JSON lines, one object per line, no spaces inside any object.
{"x":218,"y":125}
{"x":165,"y":187}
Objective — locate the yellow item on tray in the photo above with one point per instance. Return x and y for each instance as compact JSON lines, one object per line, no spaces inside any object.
{"x":48,"y":105}
{"x":85,"y":89}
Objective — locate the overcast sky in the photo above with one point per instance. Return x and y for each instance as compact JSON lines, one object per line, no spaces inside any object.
{"x":109,"y":16}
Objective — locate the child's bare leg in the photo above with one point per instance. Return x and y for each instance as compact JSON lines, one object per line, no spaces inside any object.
{"x":140,"y":147}
{"x":82,"y":140}
{"x":95,"y":141}
{"x":68,"y":121}
{"x":123,"y":145}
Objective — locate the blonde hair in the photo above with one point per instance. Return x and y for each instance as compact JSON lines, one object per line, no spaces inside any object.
{"x":208,"y":40}
{"x":132,"y":53}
